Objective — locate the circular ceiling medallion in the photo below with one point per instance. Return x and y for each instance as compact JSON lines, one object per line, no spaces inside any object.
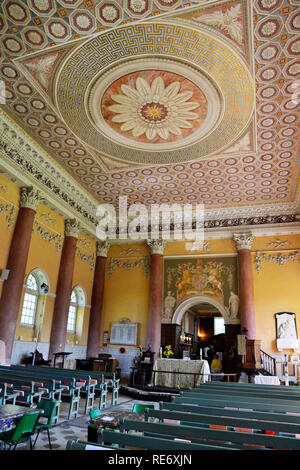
{"x":155,"y":93}
{"x":158,"y":109}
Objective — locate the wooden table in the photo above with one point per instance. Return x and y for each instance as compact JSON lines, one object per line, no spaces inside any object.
{"x":10,"y":413}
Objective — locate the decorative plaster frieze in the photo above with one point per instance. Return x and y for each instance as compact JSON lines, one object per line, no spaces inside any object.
{"x":102,"y":248}
{"x":243,"y":241}
{"x":90,"y":259}
{"x":156,"y":246}
{"x":72,"y":227}
{"x":143,"y":262}
{"x":49,"y":237}
{"x":279,"y":259}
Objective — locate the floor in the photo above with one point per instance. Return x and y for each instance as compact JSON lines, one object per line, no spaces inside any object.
{"x":75,"y":428}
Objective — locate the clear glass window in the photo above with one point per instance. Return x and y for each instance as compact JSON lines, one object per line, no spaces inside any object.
{"x":71,"y":325}
{"x":30,"y":301}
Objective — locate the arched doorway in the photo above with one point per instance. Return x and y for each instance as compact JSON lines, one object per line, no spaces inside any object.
{"x":208,"y":311}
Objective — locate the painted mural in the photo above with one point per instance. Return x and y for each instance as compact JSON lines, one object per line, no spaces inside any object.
{"x":210,"y":277}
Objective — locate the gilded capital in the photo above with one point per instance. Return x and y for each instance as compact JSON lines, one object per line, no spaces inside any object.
{"x":243,"y":240}
{"x":102,"y":248}
{"x":156,"y":246}
{"x":30,"y":197}
{"x":72,"y":228}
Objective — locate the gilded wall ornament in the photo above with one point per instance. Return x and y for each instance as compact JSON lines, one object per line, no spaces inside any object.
{"x":243,"y":240}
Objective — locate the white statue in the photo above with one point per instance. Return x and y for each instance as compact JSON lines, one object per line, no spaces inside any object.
{"x":170,"y":302}
{"x":233,"y":305}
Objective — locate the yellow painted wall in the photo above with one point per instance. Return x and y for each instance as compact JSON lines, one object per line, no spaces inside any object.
{"x":276,"y":289}
{"x":126,"y":292}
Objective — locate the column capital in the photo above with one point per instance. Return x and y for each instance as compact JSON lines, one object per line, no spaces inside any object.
{"x":243,"y":240}
{"x":102,"y":248}
{"x":156,"y":246}
{"x":30,"y":197}
{"x":72,"y":228}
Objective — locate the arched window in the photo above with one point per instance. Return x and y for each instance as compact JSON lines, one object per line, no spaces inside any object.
{"x":76,"y":308}
{"x":71,"y":325}
{"x":30,"y":301}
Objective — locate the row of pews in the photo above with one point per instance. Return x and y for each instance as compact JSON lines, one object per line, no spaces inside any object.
{"x":26,"y":386}
{"x":214,"y":416}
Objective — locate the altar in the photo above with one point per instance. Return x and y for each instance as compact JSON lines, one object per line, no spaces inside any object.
{"x":180,"y":373}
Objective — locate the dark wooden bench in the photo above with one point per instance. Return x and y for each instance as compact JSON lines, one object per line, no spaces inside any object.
{"x":223,"y":411}
{"x":238,"y":421}
{"x":138,"y":441}
{"x":215,"y":437}
{"x":252,"y":403}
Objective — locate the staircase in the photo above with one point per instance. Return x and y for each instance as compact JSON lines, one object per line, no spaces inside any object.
{"x":268,"y":364}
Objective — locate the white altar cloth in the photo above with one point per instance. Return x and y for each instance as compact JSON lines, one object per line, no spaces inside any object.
{"x":174,"y":380}
{"x":266,"y":380}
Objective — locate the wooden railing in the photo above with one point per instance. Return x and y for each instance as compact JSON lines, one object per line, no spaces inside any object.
{"x":268,"y":363}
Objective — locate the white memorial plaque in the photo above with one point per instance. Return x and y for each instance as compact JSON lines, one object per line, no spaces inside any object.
{"x":123,"y":333}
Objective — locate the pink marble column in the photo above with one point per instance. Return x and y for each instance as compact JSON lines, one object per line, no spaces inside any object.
{"x":16,"y":263}
{"x":156,"y":295}
{"x":246,"y":290}
{"x":63,"y":289}
{"x":97,"y":300}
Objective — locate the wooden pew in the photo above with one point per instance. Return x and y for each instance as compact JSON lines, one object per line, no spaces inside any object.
{"x":236,"y":421}
{"x":246,"y":388}
{"x":292,"y":399}
{"x":105,"y":380}
{"x":69,"y":387}
{"x":138,"y":441}
{"x":215,"y":437}
{"x":77,"y":444}
{"x":237,"y":402}
{"x":221,"y":411}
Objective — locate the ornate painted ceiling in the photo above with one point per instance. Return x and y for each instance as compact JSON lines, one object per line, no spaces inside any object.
{"x":162,"y":101}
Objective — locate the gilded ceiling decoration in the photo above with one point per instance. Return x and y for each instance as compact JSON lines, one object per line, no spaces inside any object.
{"x":161,"y":100}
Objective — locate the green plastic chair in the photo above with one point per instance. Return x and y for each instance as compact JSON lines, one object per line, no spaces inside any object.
{"x":140,"y":408}
{"x":48,"y":406}
{"x":23,"y":431}
{"x":95,"y":413}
